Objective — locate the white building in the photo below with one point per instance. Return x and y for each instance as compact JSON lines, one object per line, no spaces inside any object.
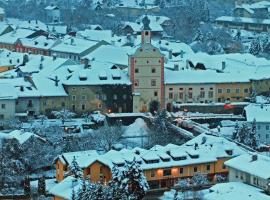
{"x":261,"y":113}
{"x":8,"y":98}
{"x":252,"y":169}
{"x":53,"y":14}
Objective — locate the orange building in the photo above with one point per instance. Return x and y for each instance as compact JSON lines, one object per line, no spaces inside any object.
{"x":163,"y":166}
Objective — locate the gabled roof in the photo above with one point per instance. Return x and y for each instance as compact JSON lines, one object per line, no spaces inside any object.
{"x":254,"y":164}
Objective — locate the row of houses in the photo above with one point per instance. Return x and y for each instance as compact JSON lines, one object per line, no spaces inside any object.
{"x":163,"y":166}
{"x":125,"y":79}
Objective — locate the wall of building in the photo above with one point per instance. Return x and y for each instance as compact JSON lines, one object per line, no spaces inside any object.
{"x":237,"y":92}
{"x":28,"y":104}
{"x":7,"y":108}
{"x":106,"y":98}
{"x":263,"y":132}
{"x":49,"y":104}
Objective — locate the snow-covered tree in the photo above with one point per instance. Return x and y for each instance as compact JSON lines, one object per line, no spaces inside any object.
{"x":199,"y":179}
{"x":75,"y":169}
{"x":236,"y":130}
{"x":63,"y":115}
{"x":128,"y":182}
{"x":26,"y":186}
{"x":42,"y":186}
{"x":106,"y":136}
{"x":159,"y":128}
{"x":246,"y":134}
{"x":255,"y":47}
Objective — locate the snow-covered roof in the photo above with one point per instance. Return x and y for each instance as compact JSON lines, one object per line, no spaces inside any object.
{"x":95,"y":35}
{"x":98,"y":74}
{"x":202,"y":76}
{"x":83,"y":158}
{"x":22,"y":136}
{"x":155,"y":19}
{"x":208,"y":149}
{"x":259,"y":112}
{"x":65,"y":188}
{"x":7,"y":92}
{"x":235,"y":191}
{"x":243,"y":20}
{"x":137,"y":26}
{"x":74,"y":45}
{"x":13,"y":36}
{"x":136,"y":4}
{"x":51,"y":7}
{"x":254,"y":164}
{"x":114,"y":55}
{"x":40,"y":42}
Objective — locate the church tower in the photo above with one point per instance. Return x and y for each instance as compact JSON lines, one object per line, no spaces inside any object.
{"x":146,"y":71}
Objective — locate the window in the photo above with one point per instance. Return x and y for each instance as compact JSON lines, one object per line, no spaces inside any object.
{"x":202,"y":94}
{"x":136,"y":70}
{"x":3,"y":106}
{"x":63,"y":104}
{"x":155,"y":93}
{"x":267,"y":136}
{"x":153,"y":82}
{"x":245,"y":90}
{"x":167,"y":172}
{"x":73,"y":89}
{"x":153,"y":173}
{"x":136,"y":83}
{"x":73,"y":107}
{"x":237,"y":90}
{"x":267,"y":127}
{"x":195,"y":169}
{"x":124,"y":96}
{"x":115,"y":96}
{"x":210,"y":94}
{"x":228,"y":90}
{"x":83,"y":89}
{"x":153,"y":70}
{"x":208,"y":167}
{"x":190,"y":95}
{"x":99,"y":105}
{"x":83,"y":107}
{"x":180,"y":95}
{"x":170,"y":95}
{"x":104,"y":97}
{"x":83,"y":97}
{"x":146,"y":33}
{"x":181,"y":88}
{"x":258,"y":127}
{"x":170,"y":89}
{"x":223,"y":166}
{"x":181,"y":170}
{"x":219,"y":91}
{"x":73,"y":97}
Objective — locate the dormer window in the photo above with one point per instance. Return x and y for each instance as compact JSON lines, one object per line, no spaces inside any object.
{"x":179,"y":158}
{"x":229,"y":152}
{"x":151,"y":161}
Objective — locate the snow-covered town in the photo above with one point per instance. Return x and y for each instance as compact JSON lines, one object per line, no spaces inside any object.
{"x":135,"y":99}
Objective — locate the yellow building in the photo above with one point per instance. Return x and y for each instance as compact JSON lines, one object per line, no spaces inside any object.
{"x":163,"y":166}
{"x":234,"y":92}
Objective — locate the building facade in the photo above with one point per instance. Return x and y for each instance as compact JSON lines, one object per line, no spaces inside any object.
{"x":146,"y":71}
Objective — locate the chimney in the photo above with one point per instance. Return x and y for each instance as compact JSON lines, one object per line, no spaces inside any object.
{"x":187,"y":64}
{"x":87,"y":63}
{"x":254,"y":157}
{"x":176,"y":67}
{"x":54,"y":56}
{"x":40,"y":66}
{"x":56,"y":80}
{"x":10,"y":61}
{"x":223,"y":65}
{"x":21,"y":88}
{"x":182,"y":53}
{"x":71,"y":41}
{"x":170,"y":54}
{"x":41,"y":58}
{"x":29,"y":21}
{"x":25,"y":59}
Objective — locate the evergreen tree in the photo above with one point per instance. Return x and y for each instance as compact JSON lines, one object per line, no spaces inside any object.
{"x":255,"y":47}
{"x":236,"y":130}
{"x":75,"y":169}
{"x":73,"y":195}
{"x":253,"y":140}
{"x":27,"y":187}
{"x":129,"y":182}
{"x":42,"y":186}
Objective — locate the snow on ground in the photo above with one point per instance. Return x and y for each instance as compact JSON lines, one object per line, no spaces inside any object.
{"x":136,"y":134}
{"x":50,"y":183}
{"x":137,"y":129}
{"x":235,"y":191}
